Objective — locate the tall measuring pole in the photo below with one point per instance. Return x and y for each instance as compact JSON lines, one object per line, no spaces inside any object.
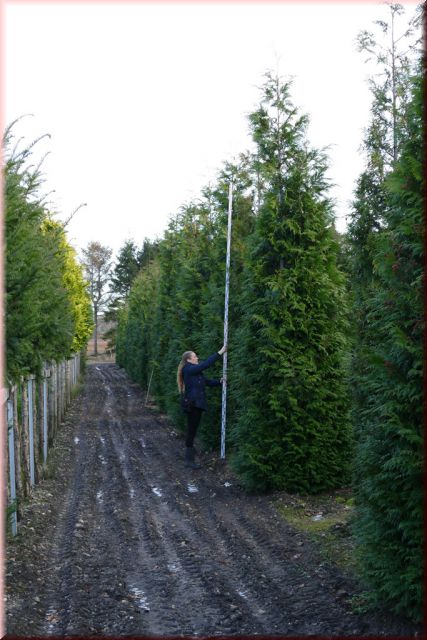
{"x":227,"y":287}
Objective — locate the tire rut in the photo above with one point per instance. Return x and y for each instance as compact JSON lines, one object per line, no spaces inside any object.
{"x":144,"y":546}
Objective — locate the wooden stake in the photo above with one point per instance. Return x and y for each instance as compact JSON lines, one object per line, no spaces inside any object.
{"x":148,"y":390}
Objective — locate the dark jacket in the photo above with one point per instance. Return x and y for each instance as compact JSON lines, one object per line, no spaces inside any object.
{"x":195,"y":382}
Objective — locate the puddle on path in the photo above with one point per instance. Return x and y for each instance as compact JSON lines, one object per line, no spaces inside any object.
{"x":52,"y":617}
{"x":140,"y":597}
{"x":173,"y":568}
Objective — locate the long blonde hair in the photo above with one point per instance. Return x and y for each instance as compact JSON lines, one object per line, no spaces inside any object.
{"x":179,"y":377}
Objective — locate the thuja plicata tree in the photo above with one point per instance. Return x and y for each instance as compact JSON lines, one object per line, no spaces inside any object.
{"x":389,"y":433}
{"x":129,"y":262}
{"x":287,"y":411}
{"x":176,"y":303}
{"x":291,"y":429}
{"x":290,"y":404}
{"x":386,"y":247}
{"x":392,"y":49}
{"x":47,"y":305}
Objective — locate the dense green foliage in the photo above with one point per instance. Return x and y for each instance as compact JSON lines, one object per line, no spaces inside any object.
{"x":74,"y":284}
{"x":176,"y":302}
{"x":307,"y":347}
{"x":287,"y":406}
{"x":382,"y":144}
{"x":389,"y":454}
{"x":292,"y":428}
{"x":130,"y":260}
{"x":384,"y":260}
{"x":325,"y":373}
{"x":47,"y":306}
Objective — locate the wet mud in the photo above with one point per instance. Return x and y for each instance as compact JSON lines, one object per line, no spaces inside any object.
{"x":124,"y":540}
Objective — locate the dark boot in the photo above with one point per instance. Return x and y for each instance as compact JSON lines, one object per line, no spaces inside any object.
{"x":190,"y":454}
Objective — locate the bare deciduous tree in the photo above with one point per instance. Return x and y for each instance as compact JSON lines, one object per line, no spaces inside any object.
{"x":97,"y":265}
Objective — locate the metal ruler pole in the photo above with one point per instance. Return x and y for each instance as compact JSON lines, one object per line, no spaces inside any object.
{"x":227,"y":287}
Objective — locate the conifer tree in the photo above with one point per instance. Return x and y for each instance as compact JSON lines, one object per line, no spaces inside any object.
{"x":212,"y":303}
{"x":147,"y":252}
{"x":125,"y":270}
{"x":46,"y":302}
{"x":389,"y":451}
{"x":74,"y":283}
{"x":292,"y":427}
{"x":135,"y":344}
{"x":392,"y":51}
{"x":185,"y":270}
{"x":129,"y":261}
{"x":177,"y":301}
{"x":386,"y":221}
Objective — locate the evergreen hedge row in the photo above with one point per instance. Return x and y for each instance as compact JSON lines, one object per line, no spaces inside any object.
{"x":48,"y":314}
{"x":288,"y":425}
{"x":288,"y":395}
{"x":388,"y":472}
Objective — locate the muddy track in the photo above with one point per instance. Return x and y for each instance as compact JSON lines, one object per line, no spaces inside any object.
{"x":136,"y":544}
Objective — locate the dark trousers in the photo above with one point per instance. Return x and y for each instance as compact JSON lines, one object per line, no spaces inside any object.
{"x":193,"y":421}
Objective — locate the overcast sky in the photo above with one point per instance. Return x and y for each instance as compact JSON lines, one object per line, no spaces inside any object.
{"x":144,"y":102}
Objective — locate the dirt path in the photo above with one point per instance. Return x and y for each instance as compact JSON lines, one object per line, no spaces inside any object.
{"x":126,"y":541}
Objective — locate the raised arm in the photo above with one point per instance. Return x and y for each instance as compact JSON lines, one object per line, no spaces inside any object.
{"x":192,"y":369}
{"x":213,"y":382}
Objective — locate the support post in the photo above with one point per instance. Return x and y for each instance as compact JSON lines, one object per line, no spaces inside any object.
{"x":148,"y":390}
{"x":68,"y":382}
{"x":60,"y":392}
{"x":25,"y":443}
{"x":12,"y":470}
{"x":17,"y":437}
{"x":54,"y":399}
{"x":70,"y":379}
{"x":227,"y":287}
{"x":46,"y":374}
{"x":31,"y":429}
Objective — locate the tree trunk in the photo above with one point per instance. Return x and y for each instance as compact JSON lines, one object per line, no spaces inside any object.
{"x":96,"y":331}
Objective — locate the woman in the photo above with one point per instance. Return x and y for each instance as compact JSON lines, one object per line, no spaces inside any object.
{"x":191,"y":385}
